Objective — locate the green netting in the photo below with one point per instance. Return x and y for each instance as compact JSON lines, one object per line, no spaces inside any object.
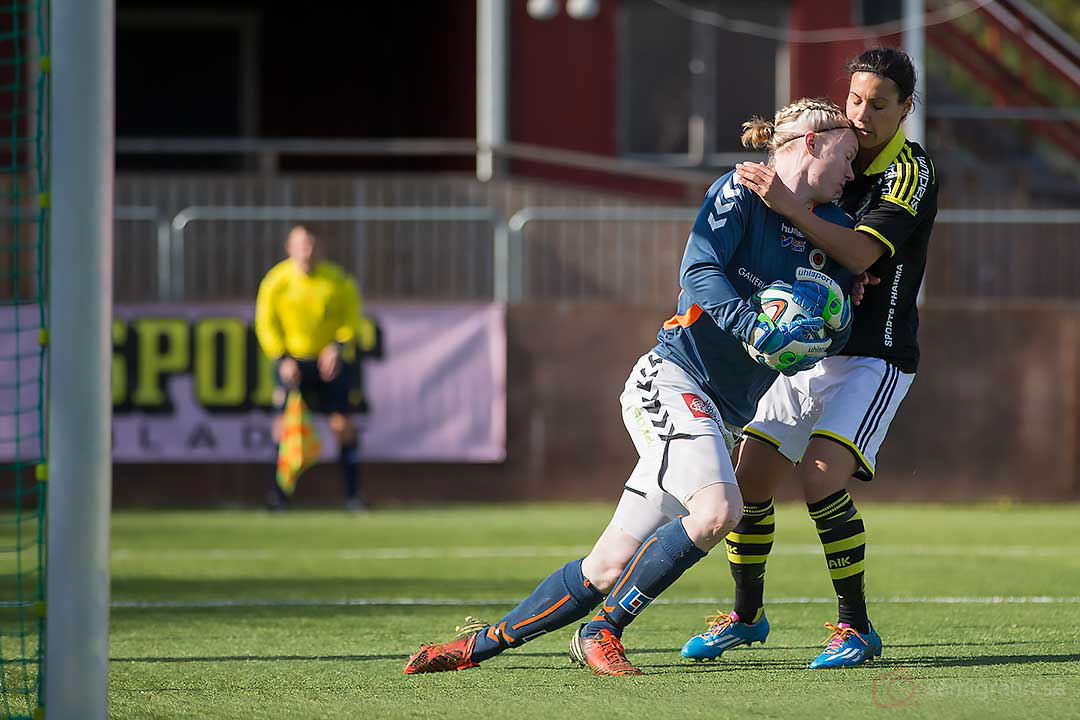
{"x":24,"y":87}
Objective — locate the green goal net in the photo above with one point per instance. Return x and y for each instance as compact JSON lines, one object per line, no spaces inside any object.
{"x":24,"y":73}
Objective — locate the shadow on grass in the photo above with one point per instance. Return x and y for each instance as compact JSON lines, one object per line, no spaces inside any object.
{"x":343,"y":585}
{"x":258,"y":658}
{"x":979,"y":660}
{"x":334,"y":658}
{"x":892,"y":645}
{"x":713,"y":666}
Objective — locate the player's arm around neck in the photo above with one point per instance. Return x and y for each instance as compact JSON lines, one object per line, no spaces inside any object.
{"x":854,"y":250}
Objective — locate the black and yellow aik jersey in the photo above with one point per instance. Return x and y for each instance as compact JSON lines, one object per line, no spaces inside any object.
{"x":895,"y":201}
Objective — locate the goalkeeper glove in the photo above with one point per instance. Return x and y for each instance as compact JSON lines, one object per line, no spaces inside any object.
{"x":789,"y":347}
{"x":821,"y":296}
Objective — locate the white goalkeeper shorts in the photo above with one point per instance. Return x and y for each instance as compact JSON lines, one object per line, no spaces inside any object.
{"x":850,"y":400}
{"x":682,"y":441}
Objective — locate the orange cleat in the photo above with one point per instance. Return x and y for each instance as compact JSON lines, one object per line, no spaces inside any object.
{"x":455,"y":655}
{"x":606,"y":655}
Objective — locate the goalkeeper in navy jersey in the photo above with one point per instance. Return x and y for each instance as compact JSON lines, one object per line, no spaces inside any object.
{"x":686,"y":400}
{"x":832,"y":419}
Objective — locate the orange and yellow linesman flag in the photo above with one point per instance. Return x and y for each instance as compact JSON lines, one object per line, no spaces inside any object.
{"x":299,"y":447}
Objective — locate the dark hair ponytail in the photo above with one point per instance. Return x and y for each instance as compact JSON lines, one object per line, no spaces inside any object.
{"x":887,"y":62}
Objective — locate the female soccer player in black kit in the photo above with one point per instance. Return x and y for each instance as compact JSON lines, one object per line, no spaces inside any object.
{"x":832,"y":419}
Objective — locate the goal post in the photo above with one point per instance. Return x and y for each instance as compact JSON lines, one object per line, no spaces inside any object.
{"x":80,"y":359}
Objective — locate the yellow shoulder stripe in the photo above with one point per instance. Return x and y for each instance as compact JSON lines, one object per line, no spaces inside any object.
{"x":901,"y":174}
{"x":907,"y":179}
{"x":901,"y":203}
{"x":911,"y":176}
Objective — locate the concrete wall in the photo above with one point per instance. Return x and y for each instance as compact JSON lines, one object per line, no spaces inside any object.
{"x":993,"y":413}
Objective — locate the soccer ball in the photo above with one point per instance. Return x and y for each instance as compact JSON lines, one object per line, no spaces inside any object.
{"x":778,"y":302}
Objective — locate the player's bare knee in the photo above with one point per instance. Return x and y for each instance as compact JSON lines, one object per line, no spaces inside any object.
{"x":609,"y":557}
{"x":603,"y":572}
{"x":759,"y":468}
{"x":825,"y":469}
{"x":603,"y":566}
{"x":712,"y":518}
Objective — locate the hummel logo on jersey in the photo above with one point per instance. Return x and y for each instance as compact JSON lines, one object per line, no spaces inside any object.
{"x":839,"y":562}
{"x":721,"y":208}
{"x":791,"y":230}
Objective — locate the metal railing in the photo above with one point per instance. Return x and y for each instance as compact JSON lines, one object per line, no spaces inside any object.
{"x":163,"y":261}
{"x":621,"y":254}
{"x":185,"y":217}
{"x":634,"y":277}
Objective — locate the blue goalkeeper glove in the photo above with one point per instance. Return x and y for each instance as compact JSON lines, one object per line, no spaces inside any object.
{"x":822,"y":297}
{"x":789,"y":347}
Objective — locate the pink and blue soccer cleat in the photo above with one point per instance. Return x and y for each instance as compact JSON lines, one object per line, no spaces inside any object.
{"x":847,"y":647}
{"x":724,"y":632}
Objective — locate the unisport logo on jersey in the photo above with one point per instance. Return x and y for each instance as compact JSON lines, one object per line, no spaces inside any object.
{"x":830,"y":303}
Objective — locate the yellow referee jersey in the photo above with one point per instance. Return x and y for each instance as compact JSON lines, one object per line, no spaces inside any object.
{"x":298,"y":314}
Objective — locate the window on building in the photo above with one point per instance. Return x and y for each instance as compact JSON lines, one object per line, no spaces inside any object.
{"x":686,"y":87}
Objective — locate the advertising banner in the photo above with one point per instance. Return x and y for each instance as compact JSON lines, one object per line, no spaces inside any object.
{"x":190,"y":384}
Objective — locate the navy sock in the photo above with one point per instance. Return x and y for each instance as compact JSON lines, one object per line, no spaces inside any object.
{"x":663,"y":557}
{"x":349,"y":470}
{"x":564,"y":597}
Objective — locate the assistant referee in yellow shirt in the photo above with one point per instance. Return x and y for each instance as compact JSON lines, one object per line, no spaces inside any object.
{"x":308,"y":321}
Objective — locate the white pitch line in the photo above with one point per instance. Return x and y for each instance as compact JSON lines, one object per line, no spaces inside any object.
{"x":490,"y":602}
{"x":440,"y":553}
{"x":462,"y":602}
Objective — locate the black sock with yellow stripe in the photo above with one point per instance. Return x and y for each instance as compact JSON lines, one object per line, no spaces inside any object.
{"x":841,"y":531}
{"x":748,"y":547}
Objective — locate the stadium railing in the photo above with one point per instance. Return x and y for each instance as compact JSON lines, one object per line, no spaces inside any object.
{"x":598,"y":252}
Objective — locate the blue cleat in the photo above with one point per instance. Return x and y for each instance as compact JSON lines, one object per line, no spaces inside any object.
{"x":846,"y":647}
{"x":724,"y":632}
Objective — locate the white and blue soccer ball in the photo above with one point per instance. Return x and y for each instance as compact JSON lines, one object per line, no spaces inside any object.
{"x":778,"y":302}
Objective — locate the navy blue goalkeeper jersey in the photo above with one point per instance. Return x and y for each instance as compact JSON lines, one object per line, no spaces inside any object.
{"x":737,"y":246}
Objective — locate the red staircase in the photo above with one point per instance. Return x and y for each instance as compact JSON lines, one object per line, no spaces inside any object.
{"x":1042,"y":45}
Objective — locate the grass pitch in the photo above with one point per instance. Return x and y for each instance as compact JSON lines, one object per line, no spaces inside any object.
{"x":311,"y":615}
